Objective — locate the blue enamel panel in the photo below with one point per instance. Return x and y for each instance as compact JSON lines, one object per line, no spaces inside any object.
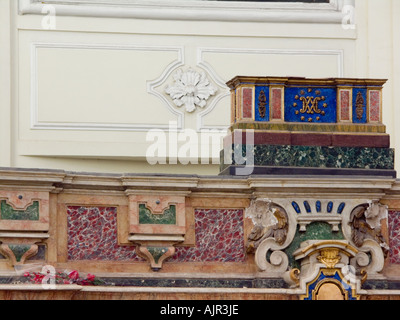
{"x":307,"y":206}
{"x":357,"y":117}
{"x":261,"y":98}
{"x":341,"y":208}
{"x":310,"y":105}
{"x":296,"y":207}
{"x":318,"y":206}
{"x":329,"y":207}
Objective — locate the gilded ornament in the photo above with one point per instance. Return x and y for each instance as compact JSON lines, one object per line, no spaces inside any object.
{"x":310,"y":105}
{"x":295,"y":276}
{"x":360,"y":106}
{"x":364,"y":276}
{"x":262,"y":104}
{"x":330,"y":257}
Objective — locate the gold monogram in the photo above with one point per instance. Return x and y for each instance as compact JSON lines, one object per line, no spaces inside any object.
{"x":310,"y":104}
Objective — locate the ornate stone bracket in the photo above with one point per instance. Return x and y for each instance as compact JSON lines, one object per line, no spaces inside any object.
{"x":24,"y":222}
{"x":155,"y":255}
{"x":326,"y":271}
{"x":364,"y":228}
{"x":19,"y":247}
{"x":157,"y":223}
{"x":273,"y":231}
{"x":355,"y":235}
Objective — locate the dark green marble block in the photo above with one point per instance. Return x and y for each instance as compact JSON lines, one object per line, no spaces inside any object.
{"x":147,"y":217}
{"x":308,"y":157}
{"x":9,"y":213}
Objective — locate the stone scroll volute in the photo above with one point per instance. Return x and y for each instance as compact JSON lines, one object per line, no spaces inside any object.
{"x":273,"y":230}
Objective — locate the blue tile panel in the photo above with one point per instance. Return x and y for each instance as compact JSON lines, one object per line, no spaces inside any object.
{"x":261,"y":98}
{"x":315,"y":105}
{"x":359,"y":105}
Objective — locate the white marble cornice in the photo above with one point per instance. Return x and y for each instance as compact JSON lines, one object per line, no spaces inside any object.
{"x":199,"y":10}
{"x":276,"y":186}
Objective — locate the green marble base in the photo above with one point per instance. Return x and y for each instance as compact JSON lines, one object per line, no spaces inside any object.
{"x":309,"y":157}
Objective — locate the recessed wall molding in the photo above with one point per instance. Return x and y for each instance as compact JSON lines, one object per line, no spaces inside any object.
{"x":196,"y":10}
{"x":36,"y":124}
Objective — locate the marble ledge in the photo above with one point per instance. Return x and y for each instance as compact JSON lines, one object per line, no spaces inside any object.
{"x":39,"y":287}
{"x":121,"y":289}
{"x":191,"y":185}
{"x":174,"y":290}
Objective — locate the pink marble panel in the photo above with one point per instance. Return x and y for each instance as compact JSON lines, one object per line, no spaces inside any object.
{"x":219,"y":237}
{"x":374,"y":105}
{"x":92,"y":235}
{"x":345,"y":105}
{"x":247,"y":103}
{"x":276,"y":104}
{"x":394,"y":237}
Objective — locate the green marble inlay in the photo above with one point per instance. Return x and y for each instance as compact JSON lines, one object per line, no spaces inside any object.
{"x":157,"y":252}
{"x":315,"y":231}
{"x":146,"y":217}
{"x":317,"y":156}
{"x":19,"y":250}
{"x":9,"y":213}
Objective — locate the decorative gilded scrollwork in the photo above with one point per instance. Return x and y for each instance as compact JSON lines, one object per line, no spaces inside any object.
{"x":329,"y":257}
{"x":310,"y":104}
{"x":360,"y":106}
{"x":262,"y":103}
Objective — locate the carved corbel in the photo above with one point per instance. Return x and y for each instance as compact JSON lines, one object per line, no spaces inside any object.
{"x":157,"y":224}
{"x":366,"y":233}
{"x":272,"y":232}
{"x":19,"y":247}
{"x":18,"y":253}
{"x":155,"y":255}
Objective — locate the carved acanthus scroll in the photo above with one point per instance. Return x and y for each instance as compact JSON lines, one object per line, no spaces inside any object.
{"x":269,"y":221}
{"x":365,"y":221}
{"x":269,"y":235}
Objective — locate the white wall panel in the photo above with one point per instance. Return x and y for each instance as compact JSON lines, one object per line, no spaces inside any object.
{"x":92,"y":88}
